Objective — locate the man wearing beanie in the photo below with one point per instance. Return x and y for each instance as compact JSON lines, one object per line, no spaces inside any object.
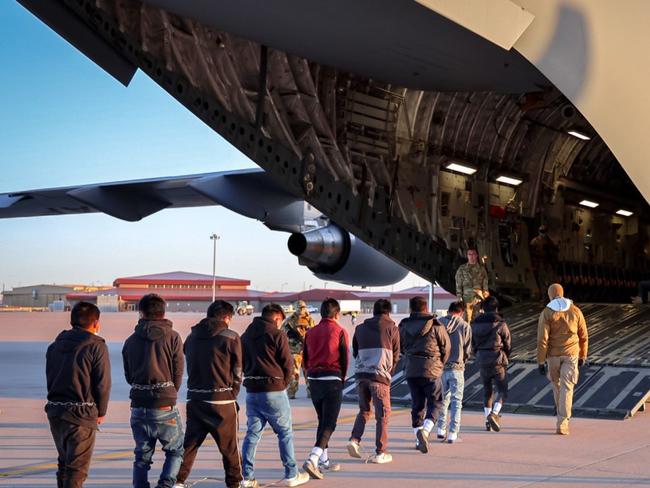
{"x":562,"y":342}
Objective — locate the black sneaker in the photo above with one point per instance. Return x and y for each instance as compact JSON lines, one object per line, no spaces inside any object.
{"x":488,"y":427}
{"x":494,"y":422}
{"x":423,"y":441}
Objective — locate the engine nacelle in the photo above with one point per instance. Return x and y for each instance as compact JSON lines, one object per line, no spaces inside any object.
{"x":333,"y":254}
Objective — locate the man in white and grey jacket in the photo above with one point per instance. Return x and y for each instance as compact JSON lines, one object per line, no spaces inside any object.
{"x":453,"y":375}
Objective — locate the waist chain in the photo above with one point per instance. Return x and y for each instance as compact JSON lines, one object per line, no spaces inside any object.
{"x":155,"y":386}
{"x":72,"y":404}
{"x":213,"y":390}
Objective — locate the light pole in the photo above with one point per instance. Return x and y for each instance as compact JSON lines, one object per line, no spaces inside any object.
{"x":214,"y":238}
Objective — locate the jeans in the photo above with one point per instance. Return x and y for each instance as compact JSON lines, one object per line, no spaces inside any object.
{"x":378,"y":393}
{"x":424,"y":392}
{"x":453,"y":384}
{"x":221,"y":422}
{"x":74,"y":445}
{"x":326,"y":395}
{"x":155,"y":424}
{"x":273,"y":408}
{"x":494,"y":375}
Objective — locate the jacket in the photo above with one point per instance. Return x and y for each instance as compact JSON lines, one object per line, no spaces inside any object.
{"x":561,"y":331}
{"x":327,"y":350}
{"x":78,"y":372}
{"x":490,"y":340}
{"x":268,"y":363}
{"x":153,"y":364}
{"x":425,"y":343}
{"x":460,"y":337}
{"x":214,"y":361}
{"x":375,"y":347}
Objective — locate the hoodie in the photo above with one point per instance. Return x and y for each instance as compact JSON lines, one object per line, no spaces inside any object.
{"x":268,"y":362}
{"x":78,"y":372}
{"x":460,"y":336}
{"x":375,"y":348}
{"x":425,"y":343}
{"x":490,"y":340}
{"x":214,"y":361}
{"x":561,"y":331}
{"x":153,"y":364}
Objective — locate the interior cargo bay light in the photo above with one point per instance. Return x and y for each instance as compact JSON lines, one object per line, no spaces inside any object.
{"x":579,"y":134}
{"x":624,"y":213}
{"x":589,"y":203}
{"x":461,"y":168}
{"x":509,"y":180}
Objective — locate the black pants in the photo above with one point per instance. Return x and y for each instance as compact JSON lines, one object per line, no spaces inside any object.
{"x":221,"y":422}
{"x":425,"y":392}
{"x":74,"y":445}
{"x":494,"y":376}
{"x":326,"y":395}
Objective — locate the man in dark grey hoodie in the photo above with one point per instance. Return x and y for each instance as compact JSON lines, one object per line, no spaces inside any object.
{"x":453,"y":375}
{"x":153,"y":366}
{"x":78,"y":374}
{"x":491,"y":346}
{"x":425,"y":345}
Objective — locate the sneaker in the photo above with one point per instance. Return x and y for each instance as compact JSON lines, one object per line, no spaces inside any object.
{"x":441,"y":434}
{"x":382,"y":458}
{"x":312,"y":470}
{"x":494,"y":422}
{"x":354,"y":449}
{"x":488,"y":426}
{"x":300,"y":479}
{"x":452,"y":437}
{"x":423,"y":441}
{"x":329,"y":466}
{"x":249,"y":484}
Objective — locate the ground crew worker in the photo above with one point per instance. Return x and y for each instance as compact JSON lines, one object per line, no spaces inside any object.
{"x":471,"y":284}
{"x":296,"y":327}
{"x":78,"y":375}
{"x":153,"y":366}
{"x":491,"y":346}
{"x":562,"y":342}
{"x":214,"y":368}
{"x":425,"y":344}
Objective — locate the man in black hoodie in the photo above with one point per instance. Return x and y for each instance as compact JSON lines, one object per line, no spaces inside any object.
{"x":268,"y":368}
{"x":153,"y":366}
{"x":425,"y":344}
{"x":78,"y":374}
{"x":214,"y":367}
{"x":491,"y":346}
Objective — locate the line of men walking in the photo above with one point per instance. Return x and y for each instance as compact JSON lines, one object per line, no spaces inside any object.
{"x":219,"y":361}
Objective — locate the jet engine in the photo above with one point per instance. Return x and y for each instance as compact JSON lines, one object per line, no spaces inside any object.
{"x":333,"y":254}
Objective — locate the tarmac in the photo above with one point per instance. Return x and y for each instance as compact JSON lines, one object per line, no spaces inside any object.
{"x":526,"y":453}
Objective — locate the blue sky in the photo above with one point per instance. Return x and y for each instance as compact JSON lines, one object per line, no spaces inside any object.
{"x":64,"y":121}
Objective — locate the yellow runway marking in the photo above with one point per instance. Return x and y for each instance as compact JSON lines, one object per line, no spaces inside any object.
{"x":119,"y":455}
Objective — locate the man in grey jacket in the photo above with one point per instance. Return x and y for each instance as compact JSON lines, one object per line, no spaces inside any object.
{"x":453,"y":376}
{"x":425,"y":345}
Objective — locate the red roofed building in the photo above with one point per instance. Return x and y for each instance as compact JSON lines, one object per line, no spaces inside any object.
{"x":183,"y":291}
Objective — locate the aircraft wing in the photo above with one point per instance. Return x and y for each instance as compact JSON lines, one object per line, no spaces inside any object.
{"x":252,"y":193}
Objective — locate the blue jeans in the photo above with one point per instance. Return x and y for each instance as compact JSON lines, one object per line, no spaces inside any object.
{"x":150,"y":425}
{"x":272,"y":407}
{"x":453,"y":384}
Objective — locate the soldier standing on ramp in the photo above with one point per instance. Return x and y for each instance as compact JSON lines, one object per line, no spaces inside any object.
{"x":296,"y":327}
{"x":472,"y":284}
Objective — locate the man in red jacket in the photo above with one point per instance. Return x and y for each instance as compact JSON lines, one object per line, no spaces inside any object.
{"x":326,"y":358}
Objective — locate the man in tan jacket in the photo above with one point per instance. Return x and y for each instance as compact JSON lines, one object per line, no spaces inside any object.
{"x":562,"y":344}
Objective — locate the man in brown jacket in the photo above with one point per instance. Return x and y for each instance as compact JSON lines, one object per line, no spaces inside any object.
{"x":562,"y":345}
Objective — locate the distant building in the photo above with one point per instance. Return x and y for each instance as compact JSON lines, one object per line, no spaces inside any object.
{"x":43,"y":296}
{"x":183,"y":291}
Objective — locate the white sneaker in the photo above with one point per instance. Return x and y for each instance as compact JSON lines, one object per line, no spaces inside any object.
{"x":382,"y":458}
{"x":300,"y":479}
{"x":249,"y":483}
{"x":441,"y":433}
{"x":452,"y":437}
{"x":354,"y":449}
{"x":329,"y":465}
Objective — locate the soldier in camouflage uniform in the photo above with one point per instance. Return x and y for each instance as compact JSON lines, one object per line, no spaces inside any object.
{"x":296,"y":327}
{"x":472,"y":284}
